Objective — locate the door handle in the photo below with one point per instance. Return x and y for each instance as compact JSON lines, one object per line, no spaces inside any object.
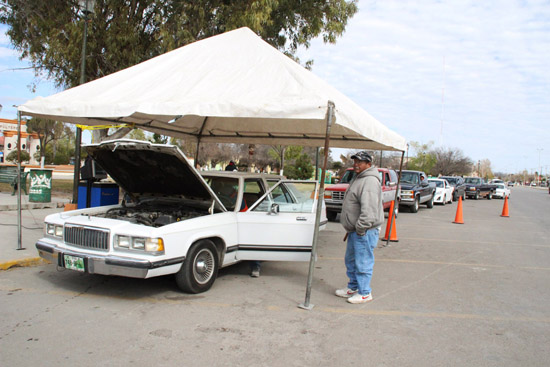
{"x":301,"y":219}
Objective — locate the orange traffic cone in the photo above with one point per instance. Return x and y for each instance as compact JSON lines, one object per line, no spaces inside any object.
{"x":392,"y":222}
{"x":505,"y":208}
{"x":458,"y":217}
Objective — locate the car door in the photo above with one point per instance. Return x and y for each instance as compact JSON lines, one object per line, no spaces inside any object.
{"x":279,"y":226}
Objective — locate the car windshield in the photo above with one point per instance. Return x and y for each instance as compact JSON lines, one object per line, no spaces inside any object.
{"x":437,"y":183}
{"x":473,"y":180}
{"x":500,"y":186}
{"x":409,"y":177}
{"x":452,"y":180}
{"x":348,"y":176}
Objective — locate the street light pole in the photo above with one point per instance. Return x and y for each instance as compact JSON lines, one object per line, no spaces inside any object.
{"x":88,"y":7}
{"x":538,"y":176}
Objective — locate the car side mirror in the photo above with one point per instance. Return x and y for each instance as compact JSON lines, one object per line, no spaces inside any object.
{"x":424,"y":184}
{"x":274,"y":209}
{"x":392,"y":184}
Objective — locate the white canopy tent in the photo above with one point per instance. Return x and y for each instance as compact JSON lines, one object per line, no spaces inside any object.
{"x":232,"y":88}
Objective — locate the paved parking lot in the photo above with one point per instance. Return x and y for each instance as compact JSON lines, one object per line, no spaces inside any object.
{"x":444,"y":295}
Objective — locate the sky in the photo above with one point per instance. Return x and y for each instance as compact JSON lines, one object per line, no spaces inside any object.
{"x":464,"y":74}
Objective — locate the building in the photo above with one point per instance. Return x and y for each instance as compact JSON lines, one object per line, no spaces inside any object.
{"x":8,"y":140}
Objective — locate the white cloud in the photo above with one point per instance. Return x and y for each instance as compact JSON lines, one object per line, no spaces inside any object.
{"x":496,"y":75}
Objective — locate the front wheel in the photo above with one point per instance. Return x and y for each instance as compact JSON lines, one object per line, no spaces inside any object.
{"x":464,"y":196}
{"x":415,"y":206}
{"x":200,"y":268}
{"x":489,"y":195}
{"x":476,"y":196}
{"x":444,"y":200}
{"x":331,"y":216}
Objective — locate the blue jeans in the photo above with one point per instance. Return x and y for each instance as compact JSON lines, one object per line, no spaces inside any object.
{"x":360,"y":260}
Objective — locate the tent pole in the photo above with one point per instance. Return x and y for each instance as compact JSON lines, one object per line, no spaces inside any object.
{"x":199,"y":142}
{"x":396,"y":203}
{"x":19,"y":240}
{"x":306,"y":305}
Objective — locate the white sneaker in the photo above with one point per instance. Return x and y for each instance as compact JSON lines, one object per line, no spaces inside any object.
{"x":357,"y":298}
{"x":345,"y":293}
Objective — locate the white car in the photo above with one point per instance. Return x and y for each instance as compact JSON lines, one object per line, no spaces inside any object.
{"x":174,"y":221}
{"x":443,"y":191}
{"x":502,"y":191}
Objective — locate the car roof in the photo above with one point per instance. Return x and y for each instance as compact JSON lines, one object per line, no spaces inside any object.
{"x":240,"y":174}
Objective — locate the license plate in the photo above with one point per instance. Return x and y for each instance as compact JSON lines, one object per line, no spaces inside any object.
{"x":73,"y":262}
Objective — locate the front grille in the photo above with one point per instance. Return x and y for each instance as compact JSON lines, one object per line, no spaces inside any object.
{"x":87,"y":237}
{"x":338,"y":195}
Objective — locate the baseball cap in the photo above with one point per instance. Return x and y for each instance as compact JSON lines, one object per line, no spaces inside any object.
{"x":362,"y":156}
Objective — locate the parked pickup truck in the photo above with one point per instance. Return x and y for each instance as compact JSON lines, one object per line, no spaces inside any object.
{"x":416,"y":190}
{"x":334,"y":194}
{"x":478,"y":187}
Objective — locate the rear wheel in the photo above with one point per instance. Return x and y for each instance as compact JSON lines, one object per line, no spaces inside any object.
{"x":430,"y":203}
{"x":444,"y":199}
{"x":200,"y":268}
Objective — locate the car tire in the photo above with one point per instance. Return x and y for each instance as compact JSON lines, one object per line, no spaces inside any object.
{"x":444,"y":200}
{"x":464,"y":196}
{"x":455,"y":196}
{"x":200,"y":268}
{"x":476,"y":196}
{"x":430,"y":203}
{"x":331,"y":216}
{"x":489,"y":195}
{"x":415,"y":206}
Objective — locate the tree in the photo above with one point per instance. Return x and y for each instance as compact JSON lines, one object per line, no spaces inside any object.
{"x":24,"y":155}
{"x":125,"y":33}
{"x":425,"y":159}
{"x":47,"y":130}
{"x":451,"y":162}
{"x":302,"y":169}
{"x":485,"y":169}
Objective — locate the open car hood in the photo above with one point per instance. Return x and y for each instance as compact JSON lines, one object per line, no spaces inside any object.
{"x":143,"y":169}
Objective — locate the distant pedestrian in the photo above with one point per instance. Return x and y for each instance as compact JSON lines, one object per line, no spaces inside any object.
{"x":231,"y":166}
{"x":362,"y":215}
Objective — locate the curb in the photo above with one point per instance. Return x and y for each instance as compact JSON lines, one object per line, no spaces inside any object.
{"x":9,"y":207}
{"x":32,"y":261}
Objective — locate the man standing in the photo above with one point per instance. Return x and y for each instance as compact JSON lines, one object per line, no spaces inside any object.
{"x":362,"y":215}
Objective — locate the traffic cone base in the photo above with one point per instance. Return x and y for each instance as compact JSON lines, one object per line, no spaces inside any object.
{"x":505,"y":208}
{"x":393,"y":235}
{"x":458,"y":217}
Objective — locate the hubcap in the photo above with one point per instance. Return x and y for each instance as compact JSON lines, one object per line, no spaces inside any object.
{"x":203,"y":268}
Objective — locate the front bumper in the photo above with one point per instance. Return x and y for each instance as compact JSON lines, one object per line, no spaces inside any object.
{"x":103,"y":263}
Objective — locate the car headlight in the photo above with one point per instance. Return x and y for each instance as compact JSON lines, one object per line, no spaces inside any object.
{"x":154,"y":246}
{"x":53,"y":230}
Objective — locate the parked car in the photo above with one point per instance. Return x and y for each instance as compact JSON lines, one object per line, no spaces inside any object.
{"x":174,"y":221}
{"x":477,"y":187}
{"x":502,"y":191}
{"x":510,"y":184}
{"x":459,"y":186}
{"x":334,"y":194}
{"x":415,"y":190}
{"x":443,"y":191}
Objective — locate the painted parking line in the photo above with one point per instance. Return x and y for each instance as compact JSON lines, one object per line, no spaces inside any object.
{"x":446,"y":263}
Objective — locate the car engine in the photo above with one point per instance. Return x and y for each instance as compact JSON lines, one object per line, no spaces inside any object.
{"x":153,"y":215}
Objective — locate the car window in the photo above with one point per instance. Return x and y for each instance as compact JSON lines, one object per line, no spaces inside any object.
{"x":292,"y":197}
{"x":393,"y":176}
{"x":226,"y":189}
{"x":437,"y":183}
{"x":409,"y":177}
{"x":253,"y":190}
{"x":473,"y":180}
{"x":347,"y":177}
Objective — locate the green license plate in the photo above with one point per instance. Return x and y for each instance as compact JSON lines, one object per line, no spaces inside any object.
{"x":73,"y":262}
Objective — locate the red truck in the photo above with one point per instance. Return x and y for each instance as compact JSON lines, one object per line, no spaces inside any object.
{"x":334,"y":194}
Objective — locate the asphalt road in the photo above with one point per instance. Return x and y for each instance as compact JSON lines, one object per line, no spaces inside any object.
{"x":476,"y":294}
